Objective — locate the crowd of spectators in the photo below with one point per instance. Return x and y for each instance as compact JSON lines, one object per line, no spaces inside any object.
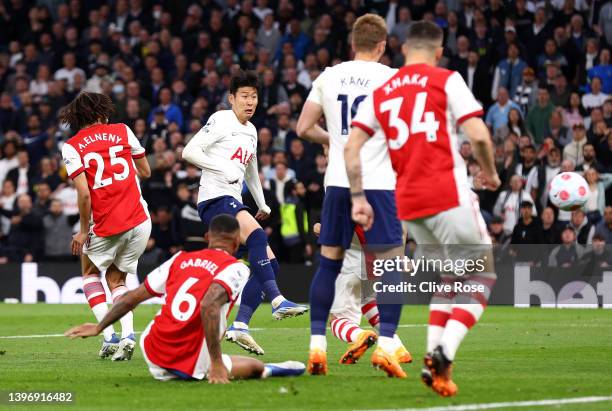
{"x":540,"y":68}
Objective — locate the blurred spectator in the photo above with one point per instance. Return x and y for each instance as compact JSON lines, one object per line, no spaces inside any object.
{"x":8,"y":160}
{"x":58,"y":233}
{"x":22,"y":176}
{"x":596,"y":97}
{"x":583,"y":229}
{"x":172,"y":113}
{"x":515,"y":124}
{"x":574,"y":113}
{"x":509,"y":72}
{"x":545,"y":173}
{"x":598,"y":184}
{"x":507,"y":205}
{"x":560,"y":133}
{"x":497,"y":115}
{"x":568,"y":252}
{"x":165,"y":232}
{"x":551,"y":229}
{"x":528,"y":230}
{"x":604,"y":227}
{"x":575,"y":149}
{"x":527,"y":91}
{"x":598,"y":257}
{"x":7,"y":204}
{"x":25,"y":239}
{"x":539,"y":116}
{"x":603,"y":72}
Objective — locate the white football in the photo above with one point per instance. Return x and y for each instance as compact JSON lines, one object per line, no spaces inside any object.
{"x":568,"y":191}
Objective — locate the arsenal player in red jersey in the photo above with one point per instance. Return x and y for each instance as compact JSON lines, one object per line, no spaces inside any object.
{"x":419,"y":110}
{"x":106,"y":161}
{"x":184,"y":340}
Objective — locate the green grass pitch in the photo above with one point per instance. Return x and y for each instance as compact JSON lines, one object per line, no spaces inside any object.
{"x":512,"y":355}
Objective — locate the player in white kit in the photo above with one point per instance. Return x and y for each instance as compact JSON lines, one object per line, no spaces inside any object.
{"x":337,"y":93}
{"x":225,"y":149}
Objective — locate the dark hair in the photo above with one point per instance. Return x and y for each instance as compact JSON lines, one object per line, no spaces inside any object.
{"x":598,"y":237}
{"x":425,"y":34}
{"x":243,"y":79}
{"x":223,"y":224}
{"x":86,"y":108}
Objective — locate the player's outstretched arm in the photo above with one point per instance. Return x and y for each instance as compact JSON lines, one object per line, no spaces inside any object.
{"x":210,"y":311}
{"x":307,"y":125}
{"x":478,"y":133}
{"x":194,"y":150}
{"x":127,"y":303}
{"x":84,"y":202}
{"x":362,"y":211}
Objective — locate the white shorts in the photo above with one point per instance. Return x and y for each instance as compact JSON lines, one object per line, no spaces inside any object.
{"x":462,"y":225}
{"x":162,"y":374}
{"x":347,"y":299}
{"x":123,"y":249}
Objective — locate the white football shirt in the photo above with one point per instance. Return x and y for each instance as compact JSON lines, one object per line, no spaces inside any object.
{"x":225,"y":150}
{"x":339,"y":90}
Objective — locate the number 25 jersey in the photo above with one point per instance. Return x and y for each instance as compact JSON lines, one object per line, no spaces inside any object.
{"x":104,"y":152}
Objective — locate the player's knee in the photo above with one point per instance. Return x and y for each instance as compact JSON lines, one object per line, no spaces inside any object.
{"x":257,"y":238}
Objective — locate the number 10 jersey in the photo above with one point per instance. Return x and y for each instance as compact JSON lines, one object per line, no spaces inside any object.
{"x":339,"y":90}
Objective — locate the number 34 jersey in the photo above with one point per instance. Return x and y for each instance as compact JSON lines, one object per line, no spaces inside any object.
{"x":419,"y":110}
{"x":104,"y":152}
{"x":176,"y":338}
{"x":339,"y":90}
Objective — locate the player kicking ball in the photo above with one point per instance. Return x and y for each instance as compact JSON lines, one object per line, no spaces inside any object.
{"x":200,"y":287}
{"x":419,"y":109}
{"x":349,"y":306}
{"x":100,"y":159}
{"x":337,"y":93}
{"x":225,"y":150}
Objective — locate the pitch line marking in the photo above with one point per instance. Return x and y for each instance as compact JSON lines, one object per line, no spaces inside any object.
{"x":509,"y":404}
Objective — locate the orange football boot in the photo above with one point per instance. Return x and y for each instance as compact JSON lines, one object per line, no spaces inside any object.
{"x":388,"y":363}
{"x":365,"y":340}
{"x":403,"y":356}
{"x":317,"y":362}
{"x":441,"y":369}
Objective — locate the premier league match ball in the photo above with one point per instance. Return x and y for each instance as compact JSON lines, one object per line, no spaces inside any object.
{"x":568,"y":191}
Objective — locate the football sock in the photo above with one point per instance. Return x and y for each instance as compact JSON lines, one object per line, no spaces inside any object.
{"x":261,"y":266}
{"x":96,"y":297}
{"x":345,"y":329}
{"x":318,"y":342}
{"x":127,"y":321}
{"x":322,"y":291}
{"x":370,"y":312}
{"x":252,"y":296}
{"x":387,"y":344}
{"x":241,"y":325}
{"x":439,"y":313}
{"x":465,"y":313}
{"x":390,"y":313}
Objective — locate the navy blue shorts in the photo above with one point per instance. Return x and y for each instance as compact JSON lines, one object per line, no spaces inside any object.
{"x":221,"y":205}
{"x":337,"y":226}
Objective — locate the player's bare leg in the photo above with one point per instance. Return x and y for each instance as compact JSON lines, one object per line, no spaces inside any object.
{"x":96,"y":297}
{"x":115,"y":279}
{"x":246,"y":367}
{"x":263,"y":268}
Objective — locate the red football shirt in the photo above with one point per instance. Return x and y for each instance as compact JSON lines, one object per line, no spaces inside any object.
{"x":104,"y":153}
{"x":419,"y":110}
{"x":176,"y":338}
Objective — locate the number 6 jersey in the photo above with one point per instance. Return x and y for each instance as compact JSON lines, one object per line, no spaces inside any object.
{"x":339,"y":90}
{"x":176,"y":338}
{"x":104,"y":152}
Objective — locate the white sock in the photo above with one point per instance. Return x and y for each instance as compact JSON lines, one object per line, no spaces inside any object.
{"x":463,"y":317}
{"x":397,"y":341}
{"x":387,"y":344}
{"x":127,"y":321}
{"x":277,"y":300}
{"x":434,"y":335}
{"x":440,"y":310}
{"x":318,"y":342}
{"x":239,"y":324}
{"x":454,"y":333}
{"x":100,"y":311}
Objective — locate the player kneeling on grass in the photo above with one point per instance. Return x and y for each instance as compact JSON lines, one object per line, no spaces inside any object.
{"x":184,"y":340}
